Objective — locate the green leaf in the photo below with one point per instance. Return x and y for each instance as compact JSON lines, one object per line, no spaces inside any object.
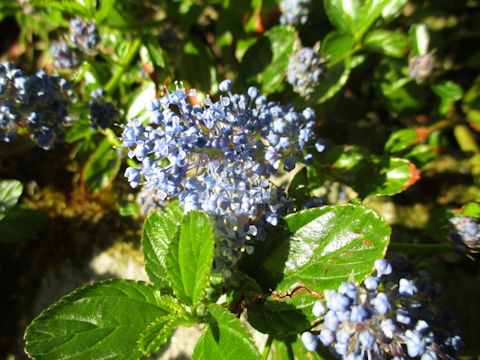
{"x":91,"y":6}
{"x":421,"y":154}
{"x":392,"y":43}
{"x":401,"y":139}
{"x":348,"y":158}
{"x":277,"y":318}
{"x":66,"y":6}
{"x":106,"y":7}
{"x":282,"y":40}
{"x":121,"y":49}
{"x":354,"y":17}
{"x":158,"y":231}
{"x":20,"y":223}
{"x":336,"y":46}
{"x":127,"y":208}
{"x":101,"y":167}
{"x":473,"y":117}
{"x":197,"y":64}
{"x":385,"y":176}
{"x":190,"y":257}
{"x":471,"y":209}
{"x":243,"y":290}
{"x":175,"y":210}
{"x":367,"y":173}
{"x":10,"y":191}
{"x":242,"y":47}
{"x":344,"y":240}
{"x":120,"y":14}
{"x":299,"y":188}
{"x":225,"y":338}
{"x":79,"y":130}
{"x":419,"y":39}
{"x":98,"y":321}
{"x":136,"y":104}
{"x":398,"y":92}
{"x":448,"y":89}
{"x":319,"y":249}
{"x":152,"y":54}
{"x":266,"y":61}
{"x":471,"y":104}
{"x":393,"y":9}
{"x":157,"y":334}
{"x":449,"y":92}
{"x":369,"y":12}
{"x":342,"y":14}
{"x":96,"y":75}
{"x":335,"y":79}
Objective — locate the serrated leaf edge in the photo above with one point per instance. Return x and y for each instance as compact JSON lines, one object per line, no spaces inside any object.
{"x":64,"y":300}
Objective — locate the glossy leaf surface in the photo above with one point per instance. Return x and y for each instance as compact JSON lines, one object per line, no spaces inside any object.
{"x":190,"y":256}
{"x":225,"y":338}
{"x":102,"y":320}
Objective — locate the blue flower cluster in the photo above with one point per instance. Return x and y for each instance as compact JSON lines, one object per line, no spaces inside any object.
{"x":305,"y":68}
{"x":102,"y":112}
{"x":64,"y":57}
{"x":465,"y":233}
{"x":84,"y":39}
{"x":390,"y":317}
{"x":294,"y":12}
{"x":219,"y":157}
{"x":38,"y":103}
{"x":84,"y":35}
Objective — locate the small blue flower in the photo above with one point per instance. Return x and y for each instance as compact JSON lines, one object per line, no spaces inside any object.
{"x":383,"y":267}
{"x":326,"y":337}
{"x":84,"y":34}
{"x":415,"y":343}
{"x":407,"y":287}
{"x":319,"y":309}
{"x":372,"y":282}
{"x":331,"y":321}
{"x":320,"y":145}
{"x":358,"y":314}
{"x":225,"y":86}
{"x":64,"y":57}
{"x":133,"y":176}
{"x":338,"y":302}
{"x":305,"y":68}
{"x":403,"y":316}
{"x":294,"y":12}
{"x":343,"y":336}
{"x":289,"y":163}
{"x":381,"y":303}
{"x":367,"y":339}
{"x":309,"y":340}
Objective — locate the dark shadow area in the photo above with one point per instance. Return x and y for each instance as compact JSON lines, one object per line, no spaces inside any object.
{"x":10,"y":30}
{"x":55,"y":260}
{"x":267,"y":262}
{"x":277,"y":318}
{"x":255,"y":60}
